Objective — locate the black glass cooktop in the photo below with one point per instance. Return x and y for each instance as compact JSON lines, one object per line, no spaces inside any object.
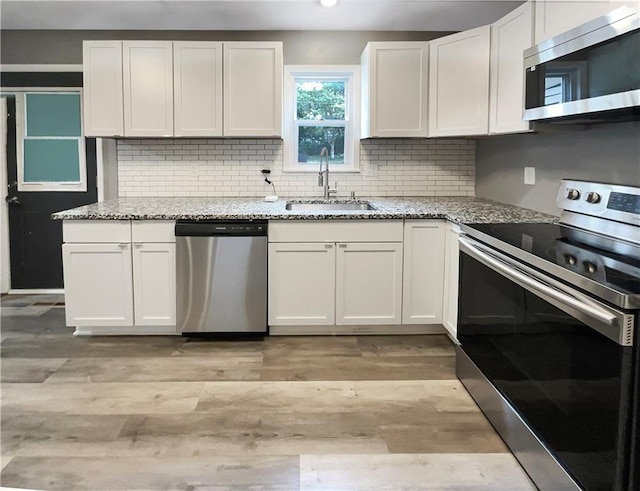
{"x":566,"y":247}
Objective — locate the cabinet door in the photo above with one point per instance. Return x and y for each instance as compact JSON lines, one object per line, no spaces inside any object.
{"x":253,"y":89}
{"x":510,"y":36}
{"x":154,"y":284}
{"x":148,"y":88}
{"x":197,"y":89}
{"x":394,"y":96}
{"x":450,"y":305}
{"x":423,"y":271}
{"x":301,"y":284}
{"x":553,"y":17}
{"x":369,"y":283}
{"x":102,"y":97}
{"x":97,"y":284}
{"x":459,"y":83}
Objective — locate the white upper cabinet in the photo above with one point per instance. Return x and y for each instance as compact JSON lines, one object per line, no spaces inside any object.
{"x":394,"y":89}
{"x":102,"y":88}
{"x":553,"y":17}
{"x":148,"y":88}
{"x":459,"y":83}
{"x":510,"y":36}
{"x":197,"y":88}
{"x":253,"y":89}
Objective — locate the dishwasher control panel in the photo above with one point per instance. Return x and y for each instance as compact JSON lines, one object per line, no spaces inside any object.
{"x":204,"y":228}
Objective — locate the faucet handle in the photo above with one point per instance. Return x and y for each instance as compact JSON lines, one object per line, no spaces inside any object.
{"x":353,"y":195}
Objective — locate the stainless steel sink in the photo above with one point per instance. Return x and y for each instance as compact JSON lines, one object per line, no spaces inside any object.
{"x":351,"y":206}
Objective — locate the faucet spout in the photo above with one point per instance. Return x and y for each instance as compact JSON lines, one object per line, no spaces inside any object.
{"x":323,"y":176}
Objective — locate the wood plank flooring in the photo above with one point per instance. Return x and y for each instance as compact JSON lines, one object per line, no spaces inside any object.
{"x":279,"y":413}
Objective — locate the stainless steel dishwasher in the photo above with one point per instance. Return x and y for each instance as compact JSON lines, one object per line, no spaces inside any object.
{"x":221,"y":276}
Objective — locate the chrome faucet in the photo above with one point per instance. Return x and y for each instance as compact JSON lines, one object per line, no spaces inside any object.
{"x":323,"y":175}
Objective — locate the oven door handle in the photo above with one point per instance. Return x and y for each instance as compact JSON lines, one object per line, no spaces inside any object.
{"x":527,"y":278}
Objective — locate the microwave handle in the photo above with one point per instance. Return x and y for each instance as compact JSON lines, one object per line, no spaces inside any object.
{"x":506,"y":268}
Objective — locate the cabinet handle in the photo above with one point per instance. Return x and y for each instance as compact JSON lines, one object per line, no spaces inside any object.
{"x":328,"y":246}
{"x":123,"y":246}
{"x":137,"y":245}
{"x":343,"y":246}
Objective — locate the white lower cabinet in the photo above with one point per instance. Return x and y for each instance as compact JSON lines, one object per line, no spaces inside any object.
{"x":98,"y":288}
{"x":369,"y":283}
{"x":301,"y":284}
{"x":119,"y":274}
{"x":341,"y":272}
{"x":451,"y":266}
{"x":154,"y":280}
{"x":424,"y":250}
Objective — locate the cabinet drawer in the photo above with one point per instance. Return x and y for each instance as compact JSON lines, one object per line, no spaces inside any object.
{"x":335,"y":231}
{"x":153,"y":231}
{"x":96,"y":231}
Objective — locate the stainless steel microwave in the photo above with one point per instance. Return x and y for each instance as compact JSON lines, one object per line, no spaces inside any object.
{"x":588,"y":74}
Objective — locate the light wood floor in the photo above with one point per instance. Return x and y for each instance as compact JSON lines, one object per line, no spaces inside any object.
{"x":282,"y":413}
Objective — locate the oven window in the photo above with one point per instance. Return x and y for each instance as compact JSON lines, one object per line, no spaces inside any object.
{"x":566,"y":380}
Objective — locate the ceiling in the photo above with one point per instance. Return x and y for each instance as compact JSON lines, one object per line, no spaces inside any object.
{"x":353,"y":15}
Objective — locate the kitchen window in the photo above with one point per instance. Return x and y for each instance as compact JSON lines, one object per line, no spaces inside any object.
{"x":50,"y":144}
{"x":321,"y":106}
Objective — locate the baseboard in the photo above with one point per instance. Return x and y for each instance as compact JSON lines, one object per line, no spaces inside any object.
{"x":351,"y":330}
{"x":37,"y":291}
{"x":126,"y":331}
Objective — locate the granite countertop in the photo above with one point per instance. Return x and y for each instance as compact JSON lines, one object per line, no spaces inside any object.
{"x":454,"y":209}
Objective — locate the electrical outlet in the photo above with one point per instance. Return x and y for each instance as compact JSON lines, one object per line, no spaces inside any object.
{"x":371,"y":170}
{"x":530,"y":175}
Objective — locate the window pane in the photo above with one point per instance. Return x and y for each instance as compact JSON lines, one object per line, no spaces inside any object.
{"x":311,"y":140}
{"x":51,"y":161}
{"x":53,"y":114}
{"x":320,"y":100}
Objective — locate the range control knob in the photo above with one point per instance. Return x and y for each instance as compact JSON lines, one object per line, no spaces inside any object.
{"x":570,"y":259}
{"x":573,"y":194}
{"x":590,"y":267}
{"x":593,"y":198}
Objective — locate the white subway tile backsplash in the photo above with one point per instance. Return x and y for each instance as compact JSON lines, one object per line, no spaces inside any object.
{"x":220,"y":167}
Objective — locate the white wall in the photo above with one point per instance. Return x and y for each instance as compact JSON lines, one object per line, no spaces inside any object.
{"x":231,"y":167}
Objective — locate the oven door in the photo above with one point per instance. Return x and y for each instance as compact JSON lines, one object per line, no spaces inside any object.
{"x":560,"y":359}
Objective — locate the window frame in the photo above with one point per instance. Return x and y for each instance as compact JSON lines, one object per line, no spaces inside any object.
{"x":21,"y":130}
{"x":351,"y":75}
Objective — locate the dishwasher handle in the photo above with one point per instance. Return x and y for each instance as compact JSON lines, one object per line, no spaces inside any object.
{"x":253,"y":228}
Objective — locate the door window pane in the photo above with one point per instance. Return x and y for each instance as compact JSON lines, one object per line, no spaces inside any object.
{"x":51,"y":161}
{"x":53,"y":115}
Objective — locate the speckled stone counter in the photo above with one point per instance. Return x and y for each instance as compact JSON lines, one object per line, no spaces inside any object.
{"x":454,"y":209}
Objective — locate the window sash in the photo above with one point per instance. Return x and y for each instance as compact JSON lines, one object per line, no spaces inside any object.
{"x":22,"y":138}
{"x":347,"y":74}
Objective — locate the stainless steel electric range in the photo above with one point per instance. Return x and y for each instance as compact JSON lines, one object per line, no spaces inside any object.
{"x":547,"y":326}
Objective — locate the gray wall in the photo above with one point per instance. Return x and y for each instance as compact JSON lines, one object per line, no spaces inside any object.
{"x":300,"y":47}
{"x":608,"y":153}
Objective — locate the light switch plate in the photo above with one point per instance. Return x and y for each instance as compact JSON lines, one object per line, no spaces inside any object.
{"x":530,"y":175}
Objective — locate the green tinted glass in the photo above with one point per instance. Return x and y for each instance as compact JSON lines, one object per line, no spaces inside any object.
{"x":51,"y":161}
{"x":53,"y":115}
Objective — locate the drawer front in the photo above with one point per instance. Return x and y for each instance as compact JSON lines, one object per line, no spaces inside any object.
{"x":335,"y":231}
{"x":153,"y":231}
{"x":96,"y":231}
